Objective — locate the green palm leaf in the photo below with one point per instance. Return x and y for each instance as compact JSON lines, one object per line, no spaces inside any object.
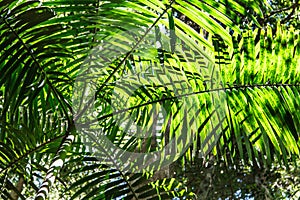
{"x":231,"y":91}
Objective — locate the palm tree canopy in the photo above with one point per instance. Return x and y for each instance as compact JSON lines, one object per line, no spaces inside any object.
{"x":112,"y":99}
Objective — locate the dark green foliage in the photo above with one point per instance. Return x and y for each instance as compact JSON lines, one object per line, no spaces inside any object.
{"x":238,"y":97}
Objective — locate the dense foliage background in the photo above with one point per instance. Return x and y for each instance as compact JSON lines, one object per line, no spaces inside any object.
{"x":253,"y":137}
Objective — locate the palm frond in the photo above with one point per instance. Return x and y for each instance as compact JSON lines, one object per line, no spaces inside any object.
{"x":233,"y":93}
{"x":261,"y":76}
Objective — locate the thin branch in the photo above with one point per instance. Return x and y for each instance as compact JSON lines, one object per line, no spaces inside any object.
{"x":291,"y":14}
{"x":283,"y":9}
{"x":19,"y":187}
